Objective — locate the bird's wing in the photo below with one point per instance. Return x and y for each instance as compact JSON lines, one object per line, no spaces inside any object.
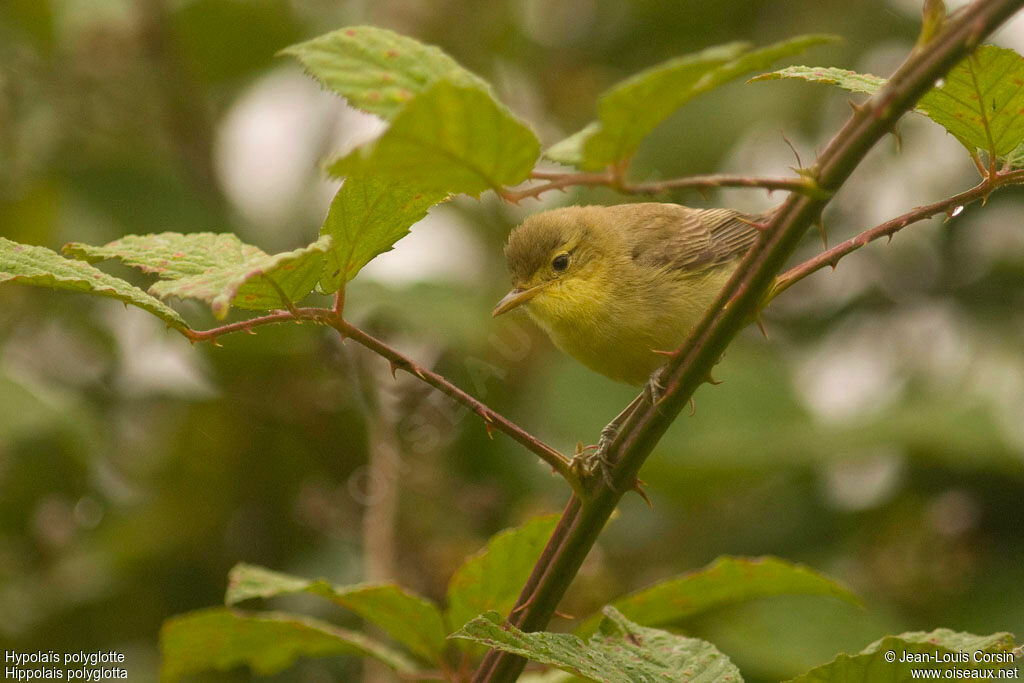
{"x":680,"y":238}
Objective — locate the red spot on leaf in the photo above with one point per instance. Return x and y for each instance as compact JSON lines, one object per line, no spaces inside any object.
{"x":391,"y":54}
{"x":350,"y":32}
{"x":250,"y":297}
{"x":288,"y":266}
{"x":373,"y":95}
{"x":404,"y":94}
{"x":1018,"y":82}
{"x":179,"y":254}
{"x":419,"y":196}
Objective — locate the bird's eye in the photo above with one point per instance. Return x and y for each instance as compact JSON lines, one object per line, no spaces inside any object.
{"x":560,"y":263}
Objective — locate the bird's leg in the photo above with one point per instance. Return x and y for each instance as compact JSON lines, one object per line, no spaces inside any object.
{"x":586,"y":464}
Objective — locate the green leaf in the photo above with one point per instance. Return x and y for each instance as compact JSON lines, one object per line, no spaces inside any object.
{"x":843,"y":78}
{"x":493,"y":578}
{"x":367,"y":216}
{"x":377,"y":70}
{"x":410,"y":619}
{"x":980,"y":102}
{"x":451,"y":139}
{"x":958,"y":649}
{"x":216,"y":267}
{"x":32,"y":265}
{"x":725,"y":581}
{"x":629,"y":111}
{"x":622,"y":652}
{"x":223,"y":639}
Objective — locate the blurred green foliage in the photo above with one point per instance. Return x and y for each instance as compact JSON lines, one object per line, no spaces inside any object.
{"x":877,"y":436}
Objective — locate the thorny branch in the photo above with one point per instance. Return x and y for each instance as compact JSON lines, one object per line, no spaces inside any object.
{"x":830,"y":257}
{"x":398,"y":361}
{"x":613,"y":178}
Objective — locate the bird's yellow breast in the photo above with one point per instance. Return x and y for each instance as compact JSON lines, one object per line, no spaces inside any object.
{"x":614,"y":325}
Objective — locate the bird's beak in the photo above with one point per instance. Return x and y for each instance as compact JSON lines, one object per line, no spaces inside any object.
{"x":517,"y":297}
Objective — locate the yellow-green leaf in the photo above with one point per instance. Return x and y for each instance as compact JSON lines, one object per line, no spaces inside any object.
{"x":621,"y":652}
{"x":980,"y":102}
{"x":451,"y":139}
{"x":893,"y":658}
{"x":727,"y":580}
{"x":378,"y":70}
{"x":33,"y":265}
{"x":410,"y":619}
{"x":222,"y":639}
{"x":629,"y":111}
{"x":367,"y":216}
{"x":217,"y":268}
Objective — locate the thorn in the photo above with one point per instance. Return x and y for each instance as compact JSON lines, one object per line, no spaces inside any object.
{"x":795,"y":153}
{"x":693,"y":407}
{"x":490,"y":430}
{"x":834,"y":264}
{"x":857,"y":108}
{"x":564,"y":615}
{"x":898,"y":137}
{"x":756,"y":225}
{"x":216,"y":343}
{"x":419,"y":373}
{"x":637,"y":486}
{"x":394,"y":366}
{"x":249,"y":330}
{"x":667,"y":354}
{"x":703,"y":192}
{"x":888,"y":240}
{"x":760,"y":323}
{"x":712,"y":381}
{"x":821,"y":231}
{"x":522,"y":606}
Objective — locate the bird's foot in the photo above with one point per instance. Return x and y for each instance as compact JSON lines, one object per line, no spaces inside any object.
{"x":654,"y":389}
{"x":587,"y":460}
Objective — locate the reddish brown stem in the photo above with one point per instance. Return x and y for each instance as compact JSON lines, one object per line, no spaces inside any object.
{"x":831,"y":257}
{"x":560,"y":181}
{"x":493,"y":420}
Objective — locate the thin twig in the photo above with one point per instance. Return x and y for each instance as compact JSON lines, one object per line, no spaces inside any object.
{"x":560,"y":181}
{"x":299,"y":314}
{"x":831,"y":257}
{"x":492,"y":420}
{"x":558,"y":462}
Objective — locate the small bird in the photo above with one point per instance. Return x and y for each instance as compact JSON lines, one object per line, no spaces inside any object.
{"x":614,"y":285}
{"x":618,"y":286}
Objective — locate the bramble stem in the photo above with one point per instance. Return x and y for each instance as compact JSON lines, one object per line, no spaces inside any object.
{"x":492,"y":420}
{"x":560,"y":181}
{"x":830,"y":257}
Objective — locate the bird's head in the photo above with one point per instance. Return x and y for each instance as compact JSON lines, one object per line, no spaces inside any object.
{"x":554,"y":258}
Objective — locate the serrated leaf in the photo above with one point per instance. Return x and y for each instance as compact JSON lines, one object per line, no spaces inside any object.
{"x":451,"y":139}
{"x":378,"y":70}
{"x":217,"y":268}
{"x":222,"y":639}
{"x":725,"y":581}
{"x":367,"y":216}
{"x":411,"y":620}
{"x":953,"y":650}
{"x":843,"y":78}
{"x":622,"y":652}
{"x":980,"y":102}
{"x":629,"y":111}
{"x":41,"y":267}
{"x":493,"y":578}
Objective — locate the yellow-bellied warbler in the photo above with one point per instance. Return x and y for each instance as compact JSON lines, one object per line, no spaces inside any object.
{"x":612,"y":285}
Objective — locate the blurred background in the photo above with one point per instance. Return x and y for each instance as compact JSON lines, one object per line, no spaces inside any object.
{"x":877,"y":435}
